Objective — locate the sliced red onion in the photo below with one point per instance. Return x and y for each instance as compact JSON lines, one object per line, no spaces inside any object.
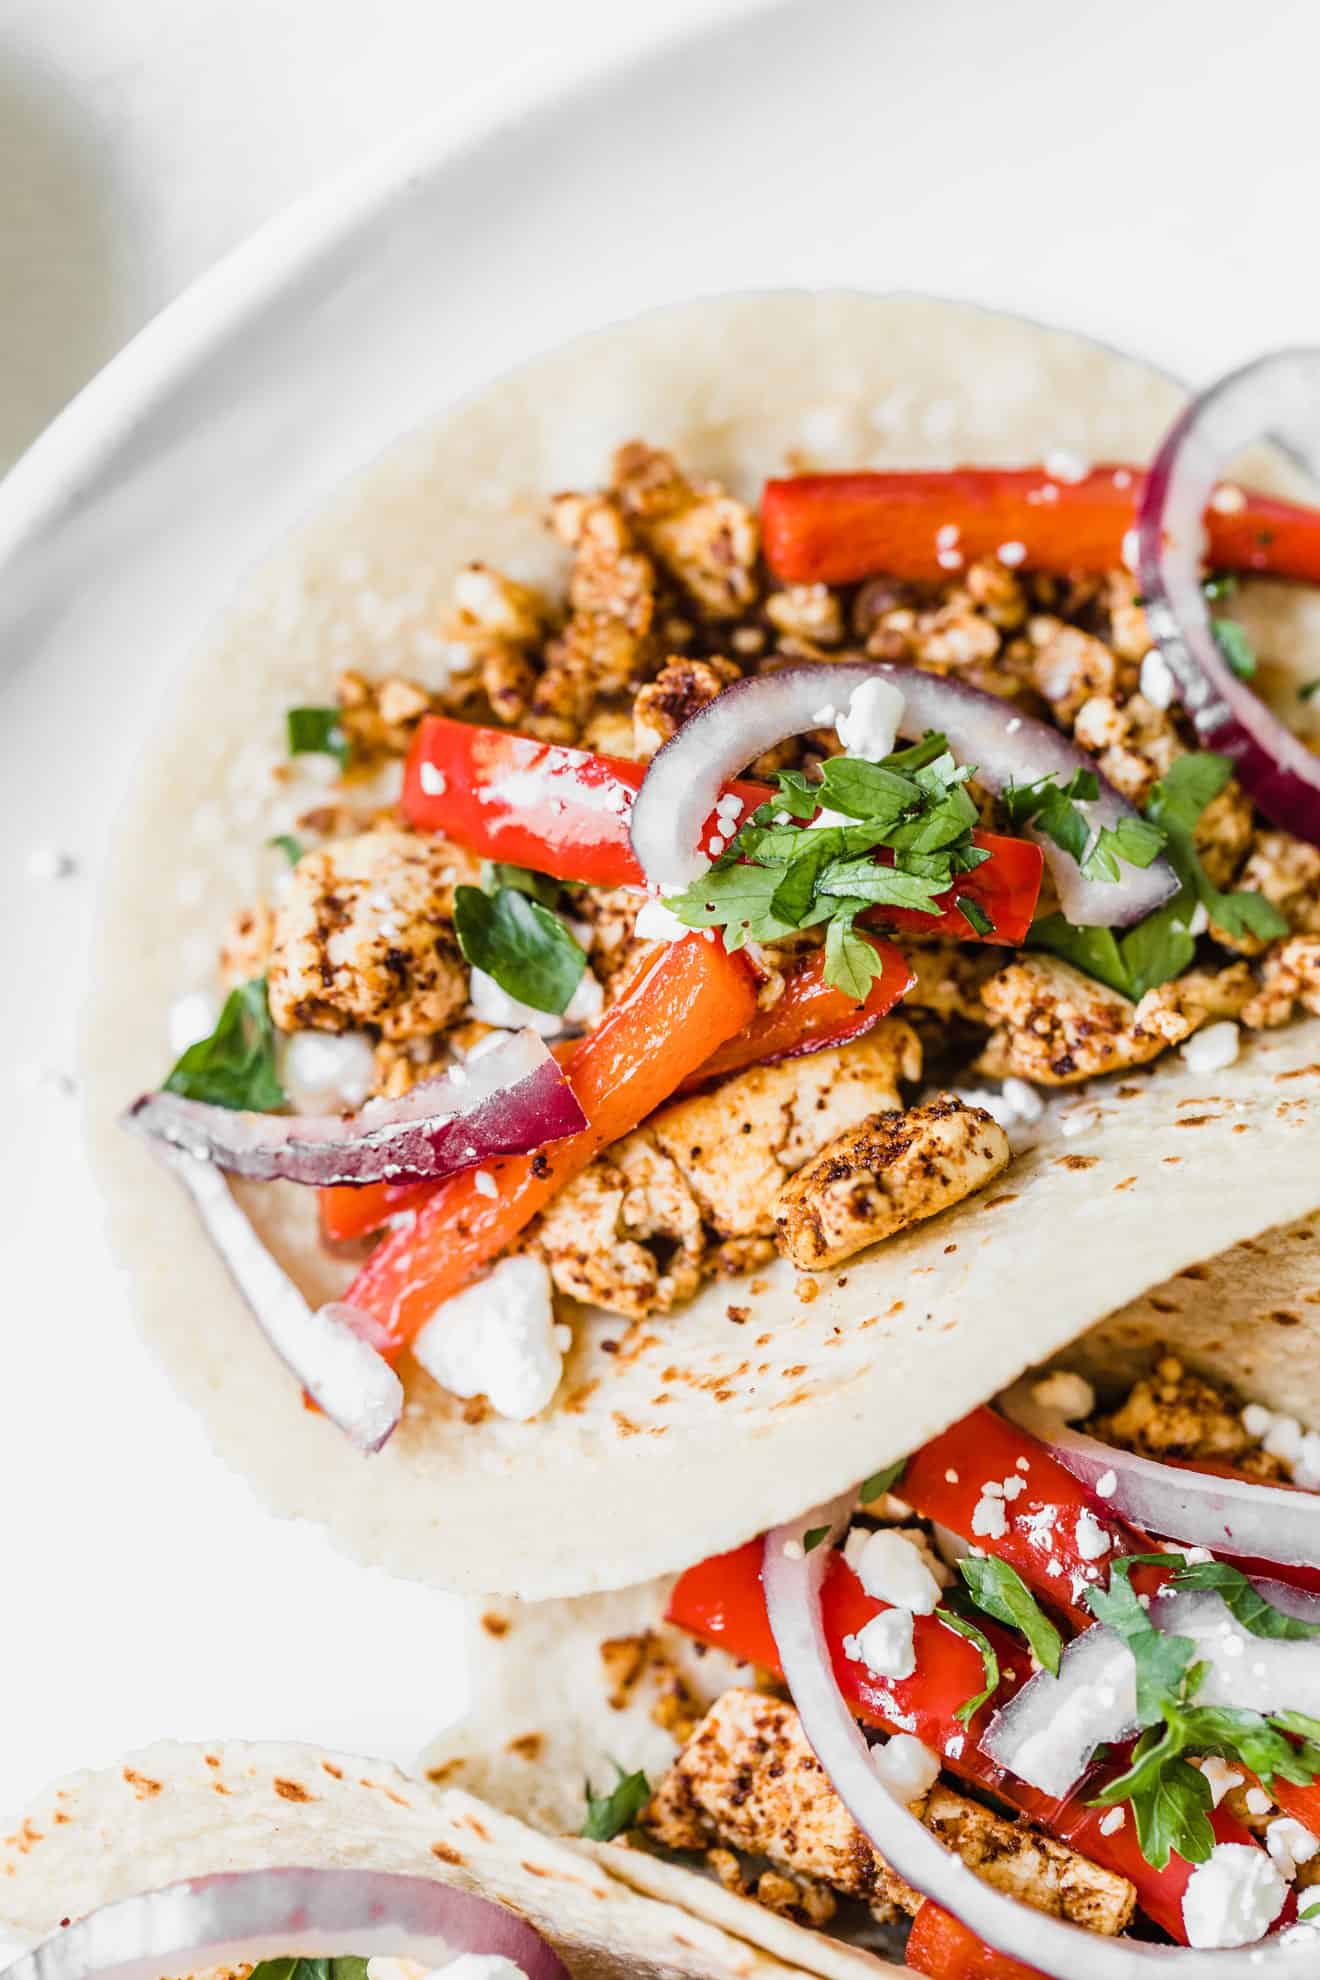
{"x":1257,"y":1673}
{"x":792,"y":1577}
{"x":684,"y":779}
{"x":1049,"y":1730}
{"x":245,"y":1916}
{"x":1197,"y":1508}
{"x":328,"y":1349}
{"x":508,"y":1101}
{"x":1281,"y":392}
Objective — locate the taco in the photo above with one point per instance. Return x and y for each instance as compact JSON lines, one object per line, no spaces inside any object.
{"x":263,"y":1854}
{"x":1079,"y":1631}
{"x":610,"y":1127}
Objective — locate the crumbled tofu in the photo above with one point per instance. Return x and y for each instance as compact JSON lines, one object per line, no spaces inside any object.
{"x":364,"y":936}
{"x":708,"y":542}
{"x":748,"y":1779}
{"x":1056,"y":1027}
{"x":892,"y":1170}
{"x":680,"y":688}
{"x":626,"y":1233}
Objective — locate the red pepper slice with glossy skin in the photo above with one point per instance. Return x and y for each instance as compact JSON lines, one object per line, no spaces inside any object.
{"x":722,"y":1602}
{"x":839,"y":528}
{"x":945,"y":1482}
{"x":565,"y":812}
{"x":940,"y":1946}
{"x":671,"y":1017}
{"x":810,"y":1016}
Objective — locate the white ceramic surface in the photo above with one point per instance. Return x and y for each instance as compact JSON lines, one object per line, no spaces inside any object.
{"x":1142,"y":173}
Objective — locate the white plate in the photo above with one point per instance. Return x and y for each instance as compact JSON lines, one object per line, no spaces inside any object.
{"x":1138,"y":172}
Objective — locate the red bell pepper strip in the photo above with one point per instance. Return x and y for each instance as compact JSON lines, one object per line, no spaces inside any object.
{"x":565,"y":812}
{"x":354,"y":1210}
{"x":837,"y":528}
{"x":722,"y":1603}
{"x":940,"y":1946}
{"x":671,"y":1017}
{"x":810,"y":1016}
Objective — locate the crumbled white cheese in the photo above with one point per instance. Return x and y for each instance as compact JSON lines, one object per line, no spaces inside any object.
{"x":907,"y":1767}
{"x":396,"y":1969}
{"x":891,"y":1569}
{"x":1228,"y":500}
{"x":1106,"y":1485}
{"x":1219,"y":1777}
{"x":326,"y":1072}
{"x":1067,"y":1395}
{"x":434,"y":783}
{"x":1064,"y":465}
{"x":1289,"y":1845}
{"x":868,"y":726}
{"x":989,"y":1520}
{"x":485,"y":1184}
{"x":497,"y":1339}
{"x":1213,"y":1048}
{"x":1258,"y":1802}
{"x":1111,"y":1823}
{"x":657,"y":923}
{"x":192,"y":1018}
{"x":1093,"y":1543}
{"x":885,"y":1645}
{"x":1232,"y":1898}
{"x":1157,"y":681}
{"x":1131,"y":549}
{"x":1200,"y":919}
{"x":1012,"y":554}
{"x":479,"y":1966}
{"x":492,"y":1005}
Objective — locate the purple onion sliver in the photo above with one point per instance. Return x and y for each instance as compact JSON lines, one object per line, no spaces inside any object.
{"x":685,"y":777}
{"x":509,"y":1101}
{"x":242,"y":1917}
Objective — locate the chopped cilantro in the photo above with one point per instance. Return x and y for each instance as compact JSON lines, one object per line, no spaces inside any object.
{"x":309,"y":1969}
{"x":881,"y":1482}
{"x":974,"y":914}
{"x":969,"y":1708}
{"x":812,"y":1538}
{"x":1218,"y":586}
{"x":317,"y":732}
{"x":1257,"y":1616}
{"x":780,"y":875}
{"x":1235,"y":647}
{"x":1054,"y":809}
{"x":1162,"y":946}
{"x":539,"y":886}
{"x":608,"y":1815}
{"x":527,"y":950}
{"x":1308,"y":689}
{"x":1000,"y":1590}
{"x":286,"y":843}
{"x":235,"y":1066}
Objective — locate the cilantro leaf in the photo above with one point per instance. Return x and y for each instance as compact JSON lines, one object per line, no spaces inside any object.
{"x":527,"y":950}
{"x":974,"y":914}
{"x":739,"y":899}
{"x":812,"y":1538}
{"x":537,"y":886}
{"x":881,"y":1482}
{"x":1001,"y":1592}
{"x":851,"y":962}
{"x":286,"y":843}
{"x":866,"y":790}
{"x":969,"y":1708}
{"x":1095,"y":951}
{"x":1173,"y":1814}
{"x":871,"y":885}
{"x":317,"y":732}
{"x":1132,"y":842}
{"x":1191,"y":783}
{"x":1235,"y":647}
{"x":310,"y":1969}
{"x":235,"y":1066}
{"x":1256,"y":1615}
{"x":608,"y":1815}
{"x":1162,"y":1661}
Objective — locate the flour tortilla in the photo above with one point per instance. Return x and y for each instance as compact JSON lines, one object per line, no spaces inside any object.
{"x":174,"y":1812}
{"x":692,"y":1430}
{"x":541,"y":1720}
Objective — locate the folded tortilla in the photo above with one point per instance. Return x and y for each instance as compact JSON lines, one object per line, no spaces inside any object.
{"x":689,"y":1432}
{"x":174,"y":1812}
{"x":546,"y":1716}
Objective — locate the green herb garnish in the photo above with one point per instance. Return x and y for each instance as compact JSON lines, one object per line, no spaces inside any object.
{"x":1257,"y":1616}
{"x":608,"y":1815}
{"x":881,"y":1482}
{"x":1001,"y":1592}
{"x":1235,"y":647}
{"x":812,"y":1538}
{"x":235,"y":1066}
{"x":286,"y":843}
{"x":495,"y":874}
{"x":963,"y":1626}
{"x":1054,"y":809}
{"x":527,"y":950}
{"x":309,"y":1969}
{"x":317,"y":732}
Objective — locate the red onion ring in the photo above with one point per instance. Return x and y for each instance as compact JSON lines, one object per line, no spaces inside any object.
{"x":1197,"y":1508}
{"x":250,"y":1915}
{"x":792,"y":1579}
{"x":507,"y":1102}
{"x":684,"y":778}
{"x":1270,"y":762}
{"x":328,"y":1349}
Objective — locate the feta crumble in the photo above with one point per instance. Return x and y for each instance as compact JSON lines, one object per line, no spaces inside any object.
{"x":1093,"y":1543}
{"x":1289,"y":1845}
{"x":1232,"y":1898}
{"x":1012,"y":554}
{"x":1069,"y":1396}
{"x":326,"y":1072}
{"x":1157,"y":681}
{"x":989,"y":1520}
{"x":907,"y":1767}
{"x":657,"y":923}
{"x":1212,"y":1048}
{"x":892,"y":1569}
{"x":1219,"y":1777}
{"x":497,"y":1339}
{"x":192,"y":1018}
{"x":868,"y":726}
{"x":885,"y":1645}
{"x":492,"y":1005}
{"x":434,"y":782}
